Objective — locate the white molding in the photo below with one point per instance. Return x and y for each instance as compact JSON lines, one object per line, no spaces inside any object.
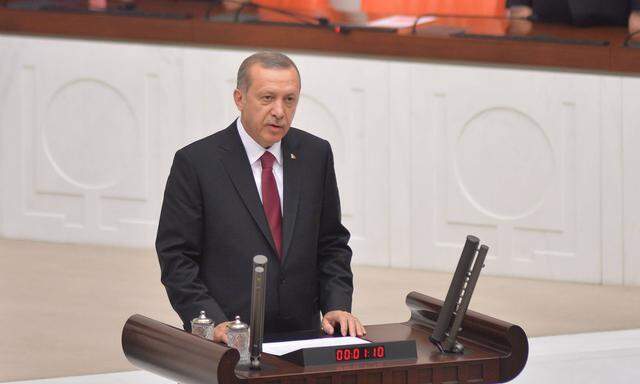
{"x":631,"y":178}
{"x":611,"y":180}
{"x":399,"y":133}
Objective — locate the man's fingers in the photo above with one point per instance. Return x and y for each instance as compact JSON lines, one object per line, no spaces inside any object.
{"x":349,"y":324}
{"x":352,"y":326}
{"x":360,"y":328}
{"x":220,"y":332}
{"x":327,"y":327}
{"x":343,"y":325}
{"x":520,"y":11}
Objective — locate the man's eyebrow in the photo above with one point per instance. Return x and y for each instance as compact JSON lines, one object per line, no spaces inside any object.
{"x":264,"y":93}
{"x":274,"y":91}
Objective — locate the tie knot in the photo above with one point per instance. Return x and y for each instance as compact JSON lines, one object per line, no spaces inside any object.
{"x":267,"y":159}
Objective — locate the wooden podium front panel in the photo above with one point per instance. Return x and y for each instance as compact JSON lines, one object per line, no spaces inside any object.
{"x":495,"y":351}
{"x":478,"y":365}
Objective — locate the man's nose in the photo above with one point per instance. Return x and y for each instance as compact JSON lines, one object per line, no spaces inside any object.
{"x":278,"y":109}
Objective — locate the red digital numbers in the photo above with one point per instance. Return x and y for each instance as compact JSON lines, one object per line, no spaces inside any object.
{"x":359,"y":353}
{"x":347,"y":354}
{"x":378,"y":352}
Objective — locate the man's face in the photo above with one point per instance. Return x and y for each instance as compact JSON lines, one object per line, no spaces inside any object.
{"x":268,"y":105}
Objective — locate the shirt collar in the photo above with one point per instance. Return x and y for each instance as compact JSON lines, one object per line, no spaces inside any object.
{"x":255,"y":150}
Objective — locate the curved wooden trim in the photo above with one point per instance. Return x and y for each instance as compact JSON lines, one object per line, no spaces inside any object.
{"x":505,"y":337}
{"x":177,"y":355}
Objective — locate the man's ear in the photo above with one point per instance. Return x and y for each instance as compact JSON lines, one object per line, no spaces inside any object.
{"x":238,"y":97}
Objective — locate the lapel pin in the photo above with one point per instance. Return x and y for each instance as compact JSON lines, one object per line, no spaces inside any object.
{"x":293,"y":156}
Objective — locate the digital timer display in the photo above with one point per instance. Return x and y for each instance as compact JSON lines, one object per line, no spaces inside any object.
{"x":360,"y":353}
{"x":353,"y":353}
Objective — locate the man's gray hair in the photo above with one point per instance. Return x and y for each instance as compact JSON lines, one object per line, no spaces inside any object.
{"x":269,"y":60}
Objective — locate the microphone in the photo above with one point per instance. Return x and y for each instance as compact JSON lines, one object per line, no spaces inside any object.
{"x":459,"y":296}
{"x":258,"y":291}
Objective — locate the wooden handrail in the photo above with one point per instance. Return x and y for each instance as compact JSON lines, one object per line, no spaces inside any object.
{"x":177,"y":355}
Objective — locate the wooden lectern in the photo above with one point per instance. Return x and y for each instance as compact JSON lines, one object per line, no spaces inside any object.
{"x":495,"y":352}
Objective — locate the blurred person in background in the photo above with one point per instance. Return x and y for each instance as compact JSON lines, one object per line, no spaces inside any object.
{"x":582,"y":13}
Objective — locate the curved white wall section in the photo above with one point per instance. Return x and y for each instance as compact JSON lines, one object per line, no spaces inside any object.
{"x":533,"y":162}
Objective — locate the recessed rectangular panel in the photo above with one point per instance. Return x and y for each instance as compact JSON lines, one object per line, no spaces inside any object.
{"x":425,"y":375}
{"x":399,"y":377}
{"x":507,"y":167}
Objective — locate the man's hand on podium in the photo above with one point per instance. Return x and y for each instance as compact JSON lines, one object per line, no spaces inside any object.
{"x":220,"y":332}
{"x":519,"y":12}
{"x":634,"y":22}
{"x":348,"y":323}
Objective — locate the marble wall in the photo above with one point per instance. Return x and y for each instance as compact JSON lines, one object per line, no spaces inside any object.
{"x":539,"y":164}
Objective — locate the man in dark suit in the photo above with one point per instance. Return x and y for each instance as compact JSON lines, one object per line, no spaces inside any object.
{"x":222,"y":206}
{"x":579,"y":12}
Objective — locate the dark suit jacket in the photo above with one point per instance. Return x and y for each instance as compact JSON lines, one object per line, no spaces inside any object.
{"x":212,"y":224}
{"x":581,"y":12}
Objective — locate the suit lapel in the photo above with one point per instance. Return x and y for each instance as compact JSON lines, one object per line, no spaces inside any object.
{"x":236,"y":163}
{"x":292,"y":178}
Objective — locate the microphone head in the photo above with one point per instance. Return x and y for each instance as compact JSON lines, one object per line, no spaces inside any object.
{"x":260,"y":260}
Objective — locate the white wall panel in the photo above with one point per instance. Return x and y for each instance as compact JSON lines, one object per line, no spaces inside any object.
{"x":81,"y":158}
{"x":210,"y":78}
{"x":400,"y":165}
{"x":541,"y":165}
{"x":9,"y":56}
{"x":345,"y":101}
{"x":513,"y":157}
{"x":612,"y":172}
{"x":631,"y":166}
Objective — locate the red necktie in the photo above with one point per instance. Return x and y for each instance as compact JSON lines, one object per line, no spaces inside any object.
{"x":271,"y":200}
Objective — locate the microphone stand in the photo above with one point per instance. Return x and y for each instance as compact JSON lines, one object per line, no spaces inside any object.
{"x":258,"y":290}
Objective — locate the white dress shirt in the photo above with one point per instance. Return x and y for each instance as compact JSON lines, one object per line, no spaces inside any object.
{"x":254,"y":152}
